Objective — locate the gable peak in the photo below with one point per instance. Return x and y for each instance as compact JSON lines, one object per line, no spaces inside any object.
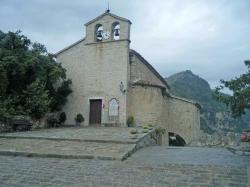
{"x":107,"y":12}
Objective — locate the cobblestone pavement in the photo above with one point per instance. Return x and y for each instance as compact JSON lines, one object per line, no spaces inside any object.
{"x":190,"y":155}
{"x":154,"y":166}
{"x":115,"y":134}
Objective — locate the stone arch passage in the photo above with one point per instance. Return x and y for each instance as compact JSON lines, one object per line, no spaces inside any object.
{"x":176,"y":139}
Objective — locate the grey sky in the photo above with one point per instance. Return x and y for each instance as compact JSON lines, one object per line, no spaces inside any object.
{"x":209,"y":37}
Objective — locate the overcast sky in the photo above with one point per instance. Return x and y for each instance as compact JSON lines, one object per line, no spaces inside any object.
{"x":209,"y":37}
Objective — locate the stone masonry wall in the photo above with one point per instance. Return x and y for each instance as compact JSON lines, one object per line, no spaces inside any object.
{"x":139,"y":72}
{"x":145,"y":105}
{"x":182,"y":117}
{"x":149,"y":106}
{"x":96,"y":70}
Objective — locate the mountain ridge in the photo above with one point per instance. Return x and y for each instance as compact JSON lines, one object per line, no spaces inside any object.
{"x":215,"y":116}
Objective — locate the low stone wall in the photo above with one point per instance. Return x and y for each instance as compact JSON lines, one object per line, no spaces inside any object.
{"x":217,"y":140}
{"x":150,"y":139}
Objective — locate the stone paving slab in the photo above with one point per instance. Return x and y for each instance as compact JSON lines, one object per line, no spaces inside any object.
{"x":158,"y":155}
{"x":91,"y":134}
{"x":108,"y":143}
{"x":165,"y":172}
{"x":65,"y":149}
{"x":240,"y":150}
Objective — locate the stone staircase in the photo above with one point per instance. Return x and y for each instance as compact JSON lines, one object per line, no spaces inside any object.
{"x":110,"y":143}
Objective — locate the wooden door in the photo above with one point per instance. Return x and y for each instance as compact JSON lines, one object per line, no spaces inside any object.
{"x":95,"y":115}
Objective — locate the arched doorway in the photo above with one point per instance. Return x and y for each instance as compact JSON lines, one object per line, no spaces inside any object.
{"x":176,"y":139}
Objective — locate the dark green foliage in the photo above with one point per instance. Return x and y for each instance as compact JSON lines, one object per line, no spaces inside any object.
{"x":60,"y":96}
{"x":62,"y":117}
{"x":131,"y":121}
{"x":34,"y":100}
{"x":79,"y":118}
{"x":31,"y":82}
{"x":205,"y":127}
{"x":240,"y":86}
{"x":53,"y":121}
{"x":188,"y":85}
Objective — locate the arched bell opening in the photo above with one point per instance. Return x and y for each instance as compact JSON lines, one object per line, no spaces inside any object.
{"x":99,"y":32}
{"x":116,"y":31}
{"x":176,"y":139}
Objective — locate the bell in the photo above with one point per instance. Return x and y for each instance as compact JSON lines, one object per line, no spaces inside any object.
{"x":99,"y":34}
{"x":117,"y":32}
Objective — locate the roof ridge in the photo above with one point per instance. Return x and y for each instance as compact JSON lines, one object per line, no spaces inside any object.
{"x":186,"y":100}
{"x":107,"y":13}
{"x":153,"y":70}
{"x":68,"y":47}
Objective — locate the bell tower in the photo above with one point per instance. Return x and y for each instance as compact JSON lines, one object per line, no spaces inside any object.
{"x":107,"y":28}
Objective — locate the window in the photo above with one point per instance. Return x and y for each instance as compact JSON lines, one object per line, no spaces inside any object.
{"x":116,"y":31}
{"x":99,"y":32}
{"x":113,"y":109}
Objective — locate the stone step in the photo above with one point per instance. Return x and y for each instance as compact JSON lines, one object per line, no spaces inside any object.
{"x":65,"y":149}
{"x":101,"y":134}
{"x":70,"y":139}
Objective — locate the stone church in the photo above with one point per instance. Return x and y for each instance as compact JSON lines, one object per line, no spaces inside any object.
{"x":111,"y":82}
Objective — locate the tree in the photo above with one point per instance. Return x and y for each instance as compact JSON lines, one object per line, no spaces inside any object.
{"x":31,"y":81}
{"x":240,"y":86}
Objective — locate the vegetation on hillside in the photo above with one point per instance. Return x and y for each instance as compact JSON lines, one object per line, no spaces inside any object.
{"x":31,"y":81}
{"x":214,"y":114}
{"x":239,"y":102}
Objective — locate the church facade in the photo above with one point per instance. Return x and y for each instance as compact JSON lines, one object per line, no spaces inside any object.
{"x":111,"y":82}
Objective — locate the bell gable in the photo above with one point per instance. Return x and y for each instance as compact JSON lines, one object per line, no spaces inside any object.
{"x":107,"y":28}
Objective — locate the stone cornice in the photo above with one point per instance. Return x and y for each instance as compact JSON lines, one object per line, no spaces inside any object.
{"x":108,"y":41}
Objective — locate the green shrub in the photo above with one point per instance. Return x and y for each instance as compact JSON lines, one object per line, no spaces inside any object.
{"x":133,"y":131}
{"x":145,"y":130}
{"x":52,"y":121}
{"x":145,"y":127}
{"x":160,"y":131}
{"x":79,"y":118}
{"x":131,"y":121}
{"x":62,"y":118}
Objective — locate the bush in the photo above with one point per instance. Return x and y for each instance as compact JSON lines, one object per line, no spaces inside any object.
{"x":52,"y":120}
{"x":131,"y":121}
{"x":160,"y":131}
{"x":79,"y":118}
{"x":62,"y":117}
{"x":133,"y":131}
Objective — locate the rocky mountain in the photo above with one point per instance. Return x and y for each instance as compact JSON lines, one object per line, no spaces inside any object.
{"x":215,"y":116}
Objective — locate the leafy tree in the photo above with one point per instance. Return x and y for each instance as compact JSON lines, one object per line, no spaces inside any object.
{"x":35,"y":100}
{"x":240,"y":86}
{"x":31,"y":81}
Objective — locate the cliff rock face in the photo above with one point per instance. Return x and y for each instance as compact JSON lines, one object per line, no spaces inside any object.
{"x":215,"y":116}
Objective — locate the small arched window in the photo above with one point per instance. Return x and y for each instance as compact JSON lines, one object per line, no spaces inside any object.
{"x":99,"y":32}
{"x":116,"y":31}
{"x":113,"y":109}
